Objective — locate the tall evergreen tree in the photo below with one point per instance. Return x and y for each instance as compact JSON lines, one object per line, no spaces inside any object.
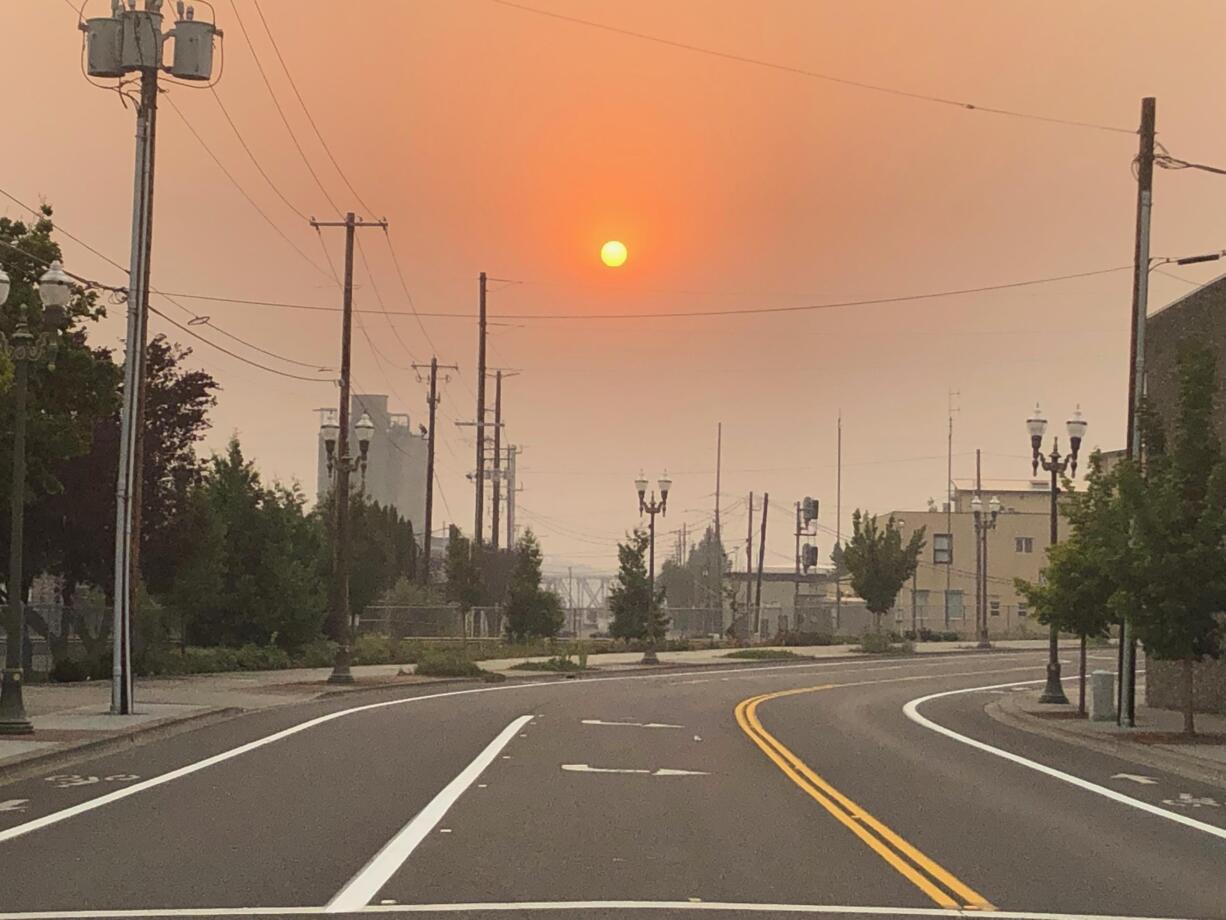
{"x":530,"y":612}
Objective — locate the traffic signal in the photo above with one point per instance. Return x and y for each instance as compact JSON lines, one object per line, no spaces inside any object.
{"x":808,"y":556}
{"x":808,"y":509}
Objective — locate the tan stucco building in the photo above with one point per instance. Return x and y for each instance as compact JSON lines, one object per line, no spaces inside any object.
{"x":942,"y":594}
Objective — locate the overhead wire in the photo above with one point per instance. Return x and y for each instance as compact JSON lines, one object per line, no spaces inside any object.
{"x":306,"y":111}
{"x":683,"y":314}
{"x":195,"y":317}
{"x":280,"y":111}
{"x":242,"y":191}
{"x":256,"y":160}
{"x":812,"y":74}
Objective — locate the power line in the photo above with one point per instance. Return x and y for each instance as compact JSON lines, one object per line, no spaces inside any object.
{"x":254,"y":159}
{"x":195,"y":318}
{"x":251,"y":201}
{"x":1166,"y":161}
{"x":379,"y":299}
{"x":236,"y":356}
{"x":681,"y":314}
{"x":80,"y":242}
{"x":405,"y":287}
{"x":307,"y":111}
{"x":280,"y":111}
{"x":812,"y":74}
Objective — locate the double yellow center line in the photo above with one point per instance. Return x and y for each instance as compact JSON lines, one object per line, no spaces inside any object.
{"x":932,"y":879}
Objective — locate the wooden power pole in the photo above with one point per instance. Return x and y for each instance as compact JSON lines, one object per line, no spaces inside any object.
{"x":432,"y":402}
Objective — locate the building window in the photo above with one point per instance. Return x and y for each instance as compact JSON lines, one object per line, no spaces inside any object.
{"x":1022,"y":609}
{"x":957,"y":609}
{"x":942,"y":549}
{"x":1024,"y":544}
{"x":994,"y":606}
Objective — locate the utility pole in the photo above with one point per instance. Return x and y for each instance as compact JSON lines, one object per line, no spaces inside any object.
{"x":757,"y":614}
{"x":1126,"y":711}
{"x":127,"y":490}
{"x":480,"y":481}
{"x":432,"y":401}
{"x":749,"y":569}
{"x":838,"y":528}
{"x":980,"y":562}
{"x":497,"y":494}
{"x":949,"y":503}
{"x":341,"y":622}
{"x":719,"y":453}
{"x":512,"y":488}
{"x":132,"y":40}
{"x":796,"y":575}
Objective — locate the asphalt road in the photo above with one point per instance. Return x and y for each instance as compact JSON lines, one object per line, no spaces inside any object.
{"x":787,"y":791}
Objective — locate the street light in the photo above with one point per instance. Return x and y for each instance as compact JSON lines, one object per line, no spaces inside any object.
{"x":651,"y":508}
{"x":983,"y":523}
{"x":1057,"y":465}
{"x":24,"y":348}
{"x":340,"y":465}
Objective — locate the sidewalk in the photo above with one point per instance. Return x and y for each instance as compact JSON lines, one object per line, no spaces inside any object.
{"x":72,"y":721}
{"x":1156,"y":742}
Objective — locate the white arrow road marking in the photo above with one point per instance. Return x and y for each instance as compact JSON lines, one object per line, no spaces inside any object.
{"x":662,"y":771}
{"x":632,"y":724}
{"x":360,"y":890}
{"x":1187,"y":800}
{"x":1137,"y":778}
{"x":14,"y":805}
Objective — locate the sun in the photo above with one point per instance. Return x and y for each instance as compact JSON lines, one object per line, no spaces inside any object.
{"x":613,"y":253}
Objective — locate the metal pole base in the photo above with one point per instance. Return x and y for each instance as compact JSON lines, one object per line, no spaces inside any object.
{"x":649,"y":657}
{"x":1054,"y":691}
{"x":13,"y":720}
{"x":340,"y":667}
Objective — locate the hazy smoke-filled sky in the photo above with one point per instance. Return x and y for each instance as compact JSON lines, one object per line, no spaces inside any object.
{"x":495,"y":139}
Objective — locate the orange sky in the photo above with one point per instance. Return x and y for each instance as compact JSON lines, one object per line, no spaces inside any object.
{"x":494,"y":139}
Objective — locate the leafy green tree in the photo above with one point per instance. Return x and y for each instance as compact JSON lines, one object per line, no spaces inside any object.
{"x":249,"y":574}
{"x":1080,"y":584}
{"x":635,"y":613}
{"x":463,"y":578}
{"x":879,"y":562}
{"x":530,"y":612}
{"x":65,"y":404}
{"x":1175,"y":588}
{"x":696,"y":582}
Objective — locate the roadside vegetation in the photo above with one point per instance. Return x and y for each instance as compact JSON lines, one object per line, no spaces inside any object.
{"x":764,"y":654}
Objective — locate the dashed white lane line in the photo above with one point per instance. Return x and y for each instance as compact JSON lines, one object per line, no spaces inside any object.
{"x":116,"y":795}
{"x":571,"y":906}
{"x":361,"y":889}
{"x":912,"y":711}
{"x":631,"y":724}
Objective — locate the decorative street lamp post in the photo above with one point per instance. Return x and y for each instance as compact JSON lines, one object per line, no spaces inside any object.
{"x":983,"y":523}
{"x":651,"y":508}
{"x":24,"y":348}
{"x":1057,"y":465}
{"x":340,"y":465}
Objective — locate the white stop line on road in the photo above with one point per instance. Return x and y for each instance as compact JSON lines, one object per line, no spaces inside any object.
{"x":912,"y":711}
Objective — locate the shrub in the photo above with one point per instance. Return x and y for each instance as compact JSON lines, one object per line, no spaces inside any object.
{"x":318,"y":654}
{"x":374,"y":648}
{"x":437,"y":662}
{"x":261,"y":658}
{"x":874,"y":643}
{"x":69,"y":670}
{"x":763,"y":654}
{"x":552,"y":664}
{"x":806,"y":638}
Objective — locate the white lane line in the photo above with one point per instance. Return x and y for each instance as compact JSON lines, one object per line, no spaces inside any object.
{"x":188,"y":769}
{"x":631,"y":724}
{"x":661,"y":771}
{"x":502,"y":906}
{"x":360,"y":890}
{"x":912,"y":711}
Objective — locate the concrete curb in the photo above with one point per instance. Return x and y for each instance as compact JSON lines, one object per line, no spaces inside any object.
{"x":40,"y":761}
{"x":1189,"y":766}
